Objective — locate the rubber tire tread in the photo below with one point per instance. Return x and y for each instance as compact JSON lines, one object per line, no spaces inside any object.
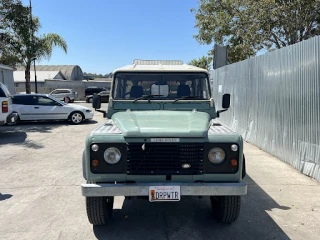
{"x":228,"y":208}
{"x":99,"y":211}
{"x":70,"y":117}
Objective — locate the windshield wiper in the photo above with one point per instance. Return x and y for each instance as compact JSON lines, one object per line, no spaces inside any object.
{"x":186,"y":97}
{"x":147,"y":97}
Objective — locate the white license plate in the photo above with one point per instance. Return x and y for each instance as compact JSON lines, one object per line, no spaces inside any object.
{"x":164,"y":193}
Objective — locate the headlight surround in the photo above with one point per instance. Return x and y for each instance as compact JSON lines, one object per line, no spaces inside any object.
{"x":216,"y":155}
{"x":112,"y":155}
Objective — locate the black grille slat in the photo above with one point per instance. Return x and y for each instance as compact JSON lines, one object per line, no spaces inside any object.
{"x":165,"y":158}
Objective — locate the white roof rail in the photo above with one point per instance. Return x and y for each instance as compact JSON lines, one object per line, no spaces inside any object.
{"x":157,"y":62}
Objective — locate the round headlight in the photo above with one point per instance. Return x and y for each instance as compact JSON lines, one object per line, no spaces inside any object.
{"x":234,"y":147}
{"x":112,"y":155}
{"x":94,"y":147}
{"x":216,"y":155}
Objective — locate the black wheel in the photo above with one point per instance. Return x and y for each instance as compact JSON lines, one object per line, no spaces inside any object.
{"x":99,"y":209}
{"x":76,"y":117}
{"x":226,"y":209}
{"x":90,"y":100}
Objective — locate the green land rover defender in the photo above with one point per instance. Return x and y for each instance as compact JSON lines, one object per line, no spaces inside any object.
{"x":161,"y":142}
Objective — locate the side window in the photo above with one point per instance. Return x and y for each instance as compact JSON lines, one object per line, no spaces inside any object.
{"x":23,"y":100}
{"x":2,"y":93}
{"x":55,"y":92}
{"x":44,"y":101}
{"x":17,"y":100}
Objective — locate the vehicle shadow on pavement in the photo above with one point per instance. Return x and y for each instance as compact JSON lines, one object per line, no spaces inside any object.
{"x":191,"y":218}
{"x":18,"y":134}
{"x":12,"y":137}
{"x":5,"y":196}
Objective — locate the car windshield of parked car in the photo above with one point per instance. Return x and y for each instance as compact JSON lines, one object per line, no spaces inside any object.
{"x":161,"y":86}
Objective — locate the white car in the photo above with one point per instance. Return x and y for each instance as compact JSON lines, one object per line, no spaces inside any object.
{"x":7,"y":116}
{"x":33,"y":107}
{"x":66,"y":95}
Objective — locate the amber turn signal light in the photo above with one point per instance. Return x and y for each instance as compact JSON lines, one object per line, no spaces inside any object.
{"x":234,"y":162}
{"x":95,"y":163}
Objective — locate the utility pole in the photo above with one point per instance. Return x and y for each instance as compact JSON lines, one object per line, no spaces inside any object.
{"x":34,"y":58}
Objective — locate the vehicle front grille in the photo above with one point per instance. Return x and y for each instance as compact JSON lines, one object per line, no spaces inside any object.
{"x":165,"y":158}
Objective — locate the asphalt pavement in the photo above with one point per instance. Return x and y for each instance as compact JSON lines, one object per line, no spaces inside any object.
{"x":40,"y":195}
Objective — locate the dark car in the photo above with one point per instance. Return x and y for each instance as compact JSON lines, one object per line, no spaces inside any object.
{"x":104,"y":96}
{"x":92,"y":90}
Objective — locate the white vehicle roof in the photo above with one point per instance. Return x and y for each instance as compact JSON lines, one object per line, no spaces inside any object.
{"x":160,"y":66}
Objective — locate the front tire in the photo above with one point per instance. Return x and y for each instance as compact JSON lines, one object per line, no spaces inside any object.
{"x":99,"y":210}
{"x":226,"y":209}
{"x":76,"y":117}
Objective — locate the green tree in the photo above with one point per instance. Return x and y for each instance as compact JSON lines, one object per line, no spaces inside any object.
{"x":203,"y":62}
{"x":246,"y":27}
{"x":20,"y":45}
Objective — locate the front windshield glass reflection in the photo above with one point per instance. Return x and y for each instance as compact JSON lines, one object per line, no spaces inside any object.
{"x":162,"y":86}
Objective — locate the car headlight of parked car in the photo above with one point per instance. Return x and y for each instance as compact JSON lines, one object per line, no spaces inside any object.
{"x":216,"y":155}
{"x":112,"y":155}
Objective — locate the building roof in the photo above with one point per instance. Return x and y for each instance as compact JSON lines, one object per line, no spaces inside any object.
{"x":160,"y":66}
{"x":70,"y":72}
{"x":6,"y":67}
{"x":19,"y":76}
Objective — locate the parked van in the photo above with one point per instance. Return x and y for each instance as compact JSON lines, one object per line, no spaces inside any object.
{"x":7,"y":116}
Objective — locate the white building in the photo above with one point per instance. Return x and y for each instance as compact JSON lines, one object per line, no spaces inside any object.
{"x":6,"y":77}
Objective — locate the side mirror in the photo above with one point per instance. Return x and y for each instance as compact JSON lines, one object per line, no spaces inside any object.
{"x":96,"y":101}
{"x":225,"y":103}
{"x":226,"y":100}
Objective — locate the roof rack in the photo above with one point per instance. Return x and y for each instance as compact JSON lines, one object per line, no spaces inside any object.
{"x":157,"y":62}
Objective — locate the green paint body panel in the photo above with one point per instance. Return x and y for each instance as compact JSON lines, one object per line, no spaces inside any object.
{"x":120,"y":138}
{"x":188,"y":120}
{"x":162,"y":123}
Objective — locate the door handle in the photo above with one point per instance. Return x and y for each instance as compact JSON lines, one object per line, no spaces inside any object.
{"x":36,"y":107}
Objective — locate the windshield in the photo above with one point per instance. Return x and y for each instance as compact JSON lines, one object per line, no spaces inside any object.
{"x":161,"y":86}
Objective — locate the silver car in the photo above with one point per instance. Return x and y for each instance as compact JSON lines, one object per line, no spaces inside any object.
{"x":35,"y":107}
{"x":66,"y":95}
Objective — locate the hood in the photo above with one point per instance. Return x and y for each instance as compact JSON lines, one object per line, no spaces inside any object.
{"x":75,"y":106}
{"x":162,"y":123}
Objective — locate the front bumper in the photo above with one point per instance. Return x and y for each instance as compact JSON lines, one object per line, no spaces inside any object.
{"x":186,"y":189}
{"x":88,"y":115}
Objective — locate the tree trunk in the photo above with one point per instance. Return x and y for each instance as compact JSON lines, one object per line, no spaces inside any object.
{"x":27,"y":77}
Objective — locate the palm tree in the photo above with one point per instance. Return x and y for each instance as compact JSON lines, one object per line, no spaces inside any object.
{"x":19,"y":44}
{"x":42,"y":49}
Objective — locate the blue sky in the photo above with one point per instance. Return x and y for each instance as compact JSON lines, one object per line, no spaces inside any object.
{"x":103,"y":35}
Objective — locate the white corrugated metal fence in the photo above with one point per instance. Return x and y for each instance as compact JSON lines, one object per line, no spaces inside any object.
{"x":275,"y":103}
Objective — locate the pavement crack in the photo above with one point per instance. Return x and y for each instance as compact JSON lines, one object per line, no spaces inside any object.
{"x":165,"y":226}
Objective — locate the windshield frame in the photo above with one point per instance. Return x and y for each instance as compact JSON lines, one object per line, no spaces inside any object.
{"x":205,"y":74}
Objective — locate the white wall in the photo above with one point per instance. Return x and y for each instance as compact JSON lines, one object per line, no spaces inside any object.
{"x":6,"y":77}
